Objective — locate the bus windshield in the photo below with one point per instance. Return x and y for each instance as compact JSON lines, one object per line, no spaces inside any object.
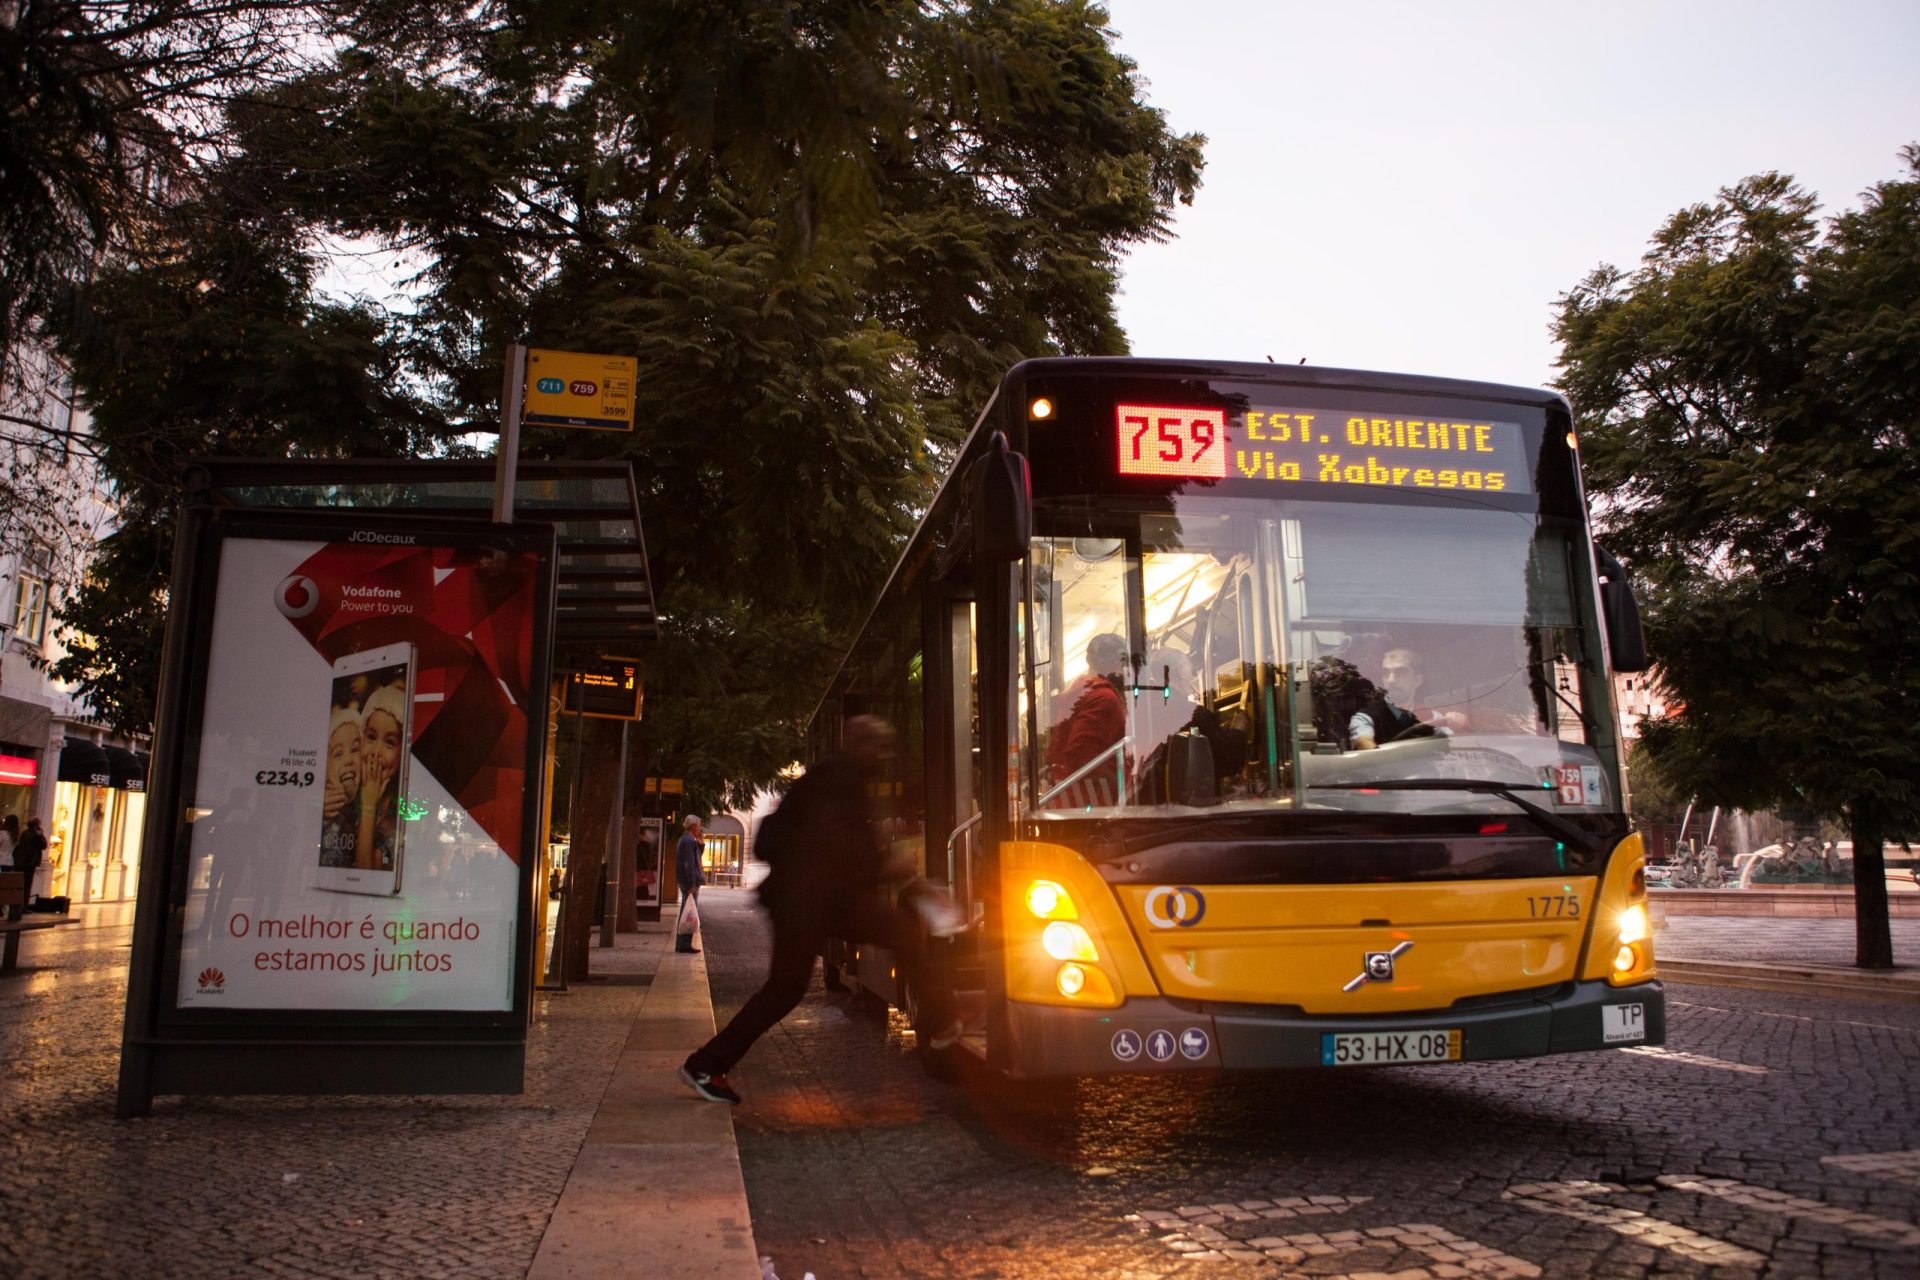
{"x":1200,"y":652}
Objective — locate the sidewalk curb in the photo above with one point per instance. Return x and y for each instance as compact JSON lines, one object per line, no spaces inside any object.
{"x":1898,"y":986}
{"x":657,"y":1188}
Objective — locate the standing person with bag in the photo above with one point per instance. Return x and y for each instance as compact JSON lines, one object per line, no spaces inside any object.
{"x":686,"y":857}
{"x":828,"y":879}
{"x":28,"y":852}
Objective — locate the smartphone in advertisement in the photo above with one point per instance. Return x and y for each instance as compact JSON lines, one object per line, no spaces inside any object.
{"x":366,"y":752}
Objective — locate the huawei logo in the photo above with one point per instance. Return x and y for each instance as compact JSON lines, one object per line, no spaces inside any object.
{"x":297,"y":596}
{"x":212,"y":979}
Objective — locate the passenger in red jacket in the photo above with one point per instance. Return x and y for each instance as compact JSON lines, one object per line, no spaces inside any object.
{"x":1095,"y":720}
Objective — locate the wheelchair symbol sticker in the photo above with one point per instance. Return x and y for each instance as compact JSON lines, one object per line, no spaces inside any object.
{"x":1160,"y":1046}
{"x":1126,"y":1045}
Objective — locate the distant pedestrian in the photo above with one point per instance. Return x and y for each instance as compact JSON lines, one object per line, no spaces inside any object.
{"x":687,"y":871}
{"x":829,"y":875}
{"x":28,"y":851}
{"x":9,"y":836}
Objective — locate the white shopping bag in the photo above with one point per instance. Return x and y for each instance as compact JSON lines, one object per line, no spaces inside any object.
{"x":689,"y":921}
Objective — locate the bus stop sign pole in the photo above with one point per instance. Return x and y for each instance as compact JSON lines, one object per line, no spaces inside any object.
{"x":513,"y":390}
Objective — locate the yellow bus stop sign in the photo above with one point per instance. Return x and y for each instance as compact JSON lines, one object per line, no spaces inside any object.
{"x":570,"y":389}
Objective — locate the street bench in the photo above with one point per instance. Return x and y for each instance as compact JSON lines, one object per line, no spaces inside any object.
{"x":13,"y":902}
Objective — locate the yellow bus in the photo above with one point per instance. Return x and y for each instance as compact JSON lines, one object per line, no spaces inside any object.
{"x":1260,"y":716}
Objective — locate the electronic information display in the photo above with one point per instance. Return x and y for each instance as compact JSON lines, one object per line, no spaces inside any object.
{"x":1320,"y":446}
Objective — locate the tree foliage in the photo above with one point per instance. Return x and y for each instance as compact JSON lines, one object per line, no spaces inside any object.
{"x":823,"y":228}
{"x":1748,"y":400}
{"x":106,"y":105}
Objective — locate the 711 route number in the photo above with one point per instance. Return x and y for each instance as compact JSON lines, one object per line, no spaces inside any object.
{"x":283,"y":778}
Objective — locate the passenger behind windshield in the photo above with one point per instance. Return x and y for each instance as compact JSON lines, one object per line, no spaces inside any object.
{"x":1090,"y":717}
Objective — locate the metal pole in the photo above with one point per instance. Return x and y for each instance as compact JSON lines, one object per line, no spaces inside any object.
{"x":165,"y":835}
{"x":506,"y":460}
{"x":611,"y":868}
{"x":557,"y":965}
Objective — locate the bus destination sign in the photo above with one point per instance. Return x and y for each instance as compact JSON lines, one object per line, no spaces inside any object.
{"x":1322,"y":447}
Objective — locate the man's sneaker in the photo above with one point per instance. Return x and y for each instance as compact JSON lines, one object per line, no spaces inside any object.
{"x":711,"y":1087}
{"x":947,"y":1036}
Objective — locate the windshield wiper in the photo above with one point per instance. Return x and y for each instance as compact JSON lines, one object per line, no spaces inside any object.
{"x":1577,"y":836}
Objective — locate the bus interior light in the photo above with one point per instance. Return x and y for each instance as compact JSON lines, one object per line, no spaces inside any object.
{"x":1065,"y":940}
{"x":1072,"y":979}
{"x":1040,"y":409}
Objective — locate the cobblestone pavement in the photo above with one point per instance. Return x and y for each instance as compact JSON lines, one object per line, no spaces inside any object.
{"x":1774,"y":1136}
{"x":349,"y":1186}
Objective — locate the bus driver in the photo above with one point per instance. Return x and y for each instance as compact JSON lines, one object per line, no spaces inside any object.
{"x":1393,"y":712}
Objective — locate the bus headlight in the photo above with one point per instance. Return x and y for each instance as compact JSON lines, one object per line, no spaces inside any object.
{"x":1632,"y":923}
{"x":1072,"y":979}
{"x":1065,"y":940}
{"x":1048,"y":901}
{"x":1625,"y":959}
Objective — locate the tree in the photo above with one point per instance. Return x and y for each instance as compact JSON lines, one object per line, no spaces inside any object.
{"x":1748,"y":402}
{"x":823,"y":229}
{"x":108,"y":106}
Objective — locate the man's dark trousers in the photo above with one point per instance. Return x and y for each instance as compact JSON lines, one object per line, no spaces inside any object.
{"x":795,"y":943}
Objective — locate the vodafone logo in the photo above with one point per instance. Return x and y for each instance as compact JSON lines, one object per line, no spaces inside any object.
{"x":297,"y":596}
{"x":212,"y":979}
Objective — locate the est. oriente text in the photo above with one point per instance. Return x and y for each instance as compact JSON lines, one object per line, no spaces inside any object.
{"x":1403,"y":452}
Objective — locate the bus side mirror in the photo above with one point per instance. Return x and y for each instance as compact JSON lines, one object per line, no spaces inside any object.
{"x":1002,"y":504}
{"x":1625,"y":640}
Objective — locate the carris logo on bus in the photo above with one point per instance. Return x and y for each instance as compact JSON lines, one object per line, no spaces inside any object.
{"x":1378,"y":967}
{"x":1169,"y":905}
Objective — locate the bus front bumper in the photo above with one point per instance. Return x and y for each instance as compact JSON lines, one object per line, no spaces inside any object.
{"x":1155,"y":1034}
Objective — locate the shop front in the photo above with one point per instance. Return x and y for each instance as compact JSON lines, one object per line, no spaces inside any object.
{"x":93,"y":839}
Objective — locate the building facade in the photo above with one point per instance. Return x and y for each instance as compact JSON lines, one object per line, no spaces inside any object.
{"x":58,"y":762}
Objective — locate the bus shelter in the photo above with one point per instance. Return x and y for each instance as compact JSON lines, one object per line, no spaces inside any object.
{"x":349,"y":768}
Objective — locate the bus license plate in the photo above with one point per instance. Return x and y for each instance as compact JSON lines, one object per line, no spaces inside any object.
{"x":1383,"y":1048}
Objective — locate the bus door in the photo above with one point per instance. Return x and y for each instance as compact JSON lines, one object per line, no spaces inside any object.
{"x":960,"y":715}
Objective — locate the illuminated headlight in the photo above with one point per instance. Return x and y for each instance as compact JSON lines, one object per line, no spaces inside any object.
{"x":1072,"y":979}
{"x":1065,"y":940}
{"x":1625,"y":959}
{"x":1047,"y":900}
{"x":1633,"y":923}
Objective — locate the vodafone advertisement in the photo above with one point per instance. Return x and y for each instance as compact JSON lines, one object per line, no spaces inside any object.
{"x":359,"y":799}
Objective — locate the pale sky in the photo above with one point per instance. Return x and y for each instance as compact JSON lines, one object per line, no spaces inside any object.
{"x":1408,"y":186}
